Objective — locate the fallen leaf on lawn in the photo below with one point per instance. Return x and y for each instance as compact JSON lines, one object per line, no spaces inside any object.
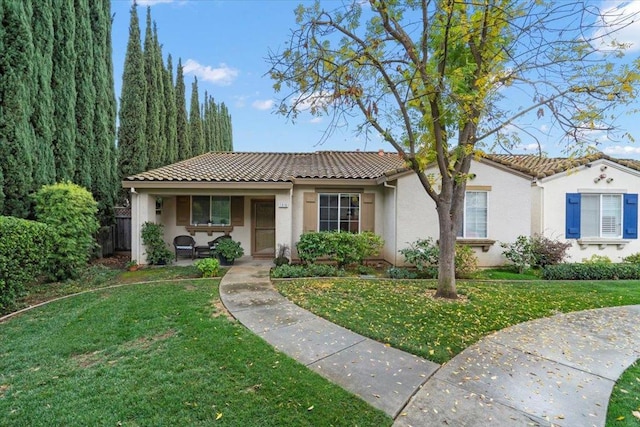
{"x":620,"y":418}
{"x":636,"y":414}
{"x":310,"y":408}
{"x":218,"y":415}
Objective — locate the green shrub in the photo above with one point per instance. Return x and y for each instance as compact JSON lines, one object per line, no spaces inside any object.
{"x":423,"y":254}
{"x":597,"y":259}
{"x":283,"y":255}
{"x":342,"y":247}
{"x":25,"y":248}
{"x":519,"y":253}
{"x":158,"y":252}
{"x":633,"y":258}
{"x":401,"y":273}
{"x":311,"y":246}
{"x":576,"y":271}
{"x":310,"y":270}
{"x":466,"y":262}
{"x":70,"y":211}
{"x":547,"y":251}
{"x":365,"y":270}
{"x":209,"y":267}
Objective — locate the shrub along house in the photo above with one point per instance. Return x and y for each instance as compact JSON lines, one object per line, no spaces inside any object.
{"x":266,"y":199}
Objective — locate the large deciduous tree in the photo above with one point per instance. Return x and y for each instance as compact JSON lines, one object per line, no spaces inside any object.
{"x":431,"y":77}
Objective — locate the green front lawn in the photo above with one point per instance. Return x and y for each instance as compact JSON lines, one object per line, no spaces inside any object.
{"x":157,"y":354}
{"x":624,"y":407}
{"x":403,"y":314}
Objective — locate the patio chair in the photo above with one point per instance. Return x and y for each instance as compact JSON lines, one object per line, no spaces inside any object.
{"x":185,"y":245}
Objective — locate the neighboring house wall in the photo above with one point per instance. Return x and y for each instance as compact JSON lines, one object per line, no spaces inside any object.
{"x":618,"y":180}
{"x":508,"y":197}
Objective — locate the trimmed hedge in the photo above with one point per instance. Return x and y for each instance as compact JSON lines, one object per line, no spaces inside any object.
{"x":576,"y":271}
{"x":311,"y":270}
{"x":25,"y":247}
{"x":340,"y":246}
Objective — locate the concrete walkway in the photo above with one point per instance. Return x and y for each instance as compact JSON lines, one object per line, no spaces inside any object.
{"x":555,"y":371}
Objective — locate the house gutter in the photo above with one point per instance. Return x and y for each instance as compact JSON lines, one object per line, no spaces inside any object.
{"x":395,"y":221}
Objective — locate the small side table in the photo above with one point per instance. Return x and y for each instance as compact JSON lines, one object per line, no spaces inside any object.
{"x":203,"y":252}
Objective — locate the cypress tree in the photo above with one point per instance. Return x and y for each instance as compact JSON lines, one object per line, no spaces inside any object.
{"x":63,"y":84}
{"x":171,"y":155}
{"x":132,"y":143}
{"x":206,"y":119}
{"x":103,"y":180}
{"x":226,"y":131}
{"x":110,"y":99}
{"x":152,"y":127}
{"x":182,"y":124}
{"x":42,"y":117}
{"x":85,"y":95}
{"x":195,"y":121}
{"x":159,"y":87}
{"x":17,"y":139}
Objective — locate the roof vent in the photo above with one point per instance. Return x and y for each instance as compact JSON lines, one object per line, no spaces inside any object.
{"x":381,"y":152}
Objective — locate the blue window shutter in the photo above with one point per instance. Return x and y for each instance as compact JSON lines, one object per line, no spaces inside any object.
{"x":630,"y":216}
{"x":573,"y":216}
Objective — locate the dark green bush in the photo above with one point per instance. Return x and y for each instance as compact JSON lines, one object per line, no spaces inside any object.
{"x":423,"y":254}
{"x":70,"y":211}
{"x":158,"y":252}
{"x":341,"y":247}
{"x":25,"y":248}
{"x":593,"y":271}
{"x":311,"y":270}
{"x":401,"y":273}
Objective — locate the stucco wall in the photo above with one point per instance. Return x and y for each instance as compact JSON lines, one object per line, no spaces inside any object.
{"x":509,"y":210}
{"x":581,"y":180}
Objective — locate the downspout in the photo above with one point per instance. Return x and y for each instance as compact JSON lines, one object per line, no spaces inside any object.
{"x":395,"y":221}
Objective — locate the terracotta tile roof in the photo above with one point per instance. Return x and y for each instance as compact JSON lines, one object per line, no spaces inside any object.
{"x":276,"y":167}
{"x":542,"y":167}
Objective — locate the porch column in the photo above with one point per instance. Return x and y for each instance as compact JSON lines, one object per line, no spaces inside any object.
{"x":284,"y":220}
{"x":143,"y":209}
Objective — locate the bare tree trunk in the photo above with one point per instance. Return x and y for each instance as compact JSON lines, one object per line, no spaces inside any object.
{"x":446,"y":259}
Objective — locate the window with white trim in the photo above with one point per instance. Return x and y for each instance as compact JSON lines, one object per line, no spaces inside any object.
{"x":474,"y":216}
{"x":211,"y":210}
{"x":601,"y":215}
{"x":339,"y":211}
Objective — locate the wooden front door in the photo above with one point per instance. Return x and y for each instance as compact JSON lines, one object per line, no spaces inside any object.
{"x":263,"y":213}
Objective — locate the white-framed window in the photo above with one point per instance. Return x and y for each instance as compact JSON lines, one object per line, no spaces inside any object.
{"x":211,"y":210}
{"x":474,"y":216}
{"x":339,"y":211}
{"x":601,"y":215}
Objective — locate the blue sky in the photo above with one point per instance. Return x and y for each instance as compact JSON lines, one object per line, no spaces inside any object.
{"x":225,"y":43}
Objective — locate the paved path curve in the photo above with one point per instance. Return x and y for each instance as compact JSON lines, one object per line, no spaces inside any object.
{"x":556,"y":371}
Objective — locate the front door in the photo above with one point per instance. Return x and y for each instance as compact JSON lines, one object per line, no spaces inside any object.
{"x":264,"y":228}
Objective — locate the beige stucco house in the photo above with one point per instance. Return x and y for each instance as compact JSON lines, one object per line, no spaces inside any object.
{"x":267,"y":199}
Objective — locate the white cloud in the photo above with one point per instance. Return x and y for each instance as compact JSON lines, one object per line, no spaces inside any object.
{"x":223,"y":75}
{"x":152,"y":2}
{"x":623,"y":19}
{"x":265,"y":104}
{"x":316,"y":120}
{"x":529,"y":147}
{"x":622,"y":150}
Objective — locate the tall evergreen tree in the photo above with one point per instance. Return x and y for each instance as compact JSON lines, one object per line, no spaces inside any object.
{"x":226,"y":132}
{"x":17,"y":139}
{"x":206,"y":120}
{"x":159,"y":87}
{"x":103,"y":180}
{"x":85,"y":95}
{"x":195,"y":121}
{"x":132,"y":143}
{"x":182,"y":123}
{"x":42,"y":117}
{"x":171,"y":154}
{"x":110,"y":98}
{"x":152,"y":131}
{"x":63,"y":84}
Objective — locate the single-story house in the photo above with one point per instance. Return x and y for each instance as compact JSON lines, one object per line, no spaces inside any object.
{"x":268,"y":199}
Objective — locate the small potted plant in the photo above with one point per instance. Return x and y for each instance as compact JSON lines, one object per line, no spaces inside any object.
{"x":227,"y":250}
{"x":132,"y":265}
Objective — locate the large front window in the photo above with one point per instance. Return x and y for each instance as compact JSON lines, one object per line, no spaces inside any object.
{"x":601,"y":215}
{"x":474,"y":217}
{"x":340,"y":211}
{"x":211,"y":210}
